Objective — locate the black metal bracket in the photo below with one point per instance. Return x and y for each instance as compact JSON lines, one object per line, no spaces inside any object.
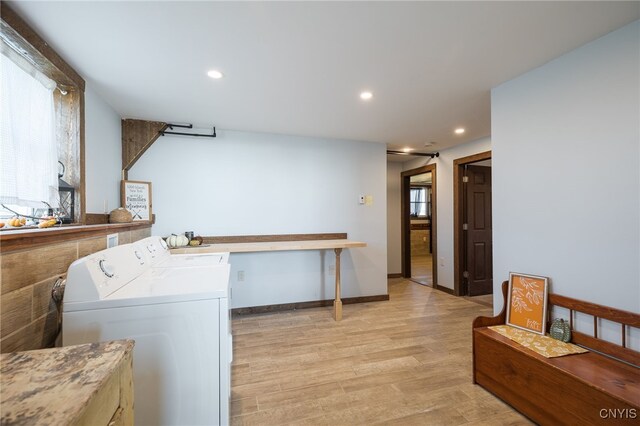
{"x":185,"y":126}
{"x":417,"y":154}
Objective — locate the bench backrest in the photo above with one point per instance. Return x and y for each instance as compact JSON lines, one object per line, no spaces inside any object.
{"x":624,"y":318}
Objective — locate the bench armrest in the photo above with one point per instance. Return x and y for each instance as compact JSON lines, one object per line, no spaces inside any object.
{"x":498,"y":319}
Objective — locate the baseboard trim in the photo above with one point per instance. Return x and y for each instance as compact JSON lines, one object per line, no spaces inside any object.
{"x":446,"y":290}
{"x":398,"y":275}
{"x":304,"y":305}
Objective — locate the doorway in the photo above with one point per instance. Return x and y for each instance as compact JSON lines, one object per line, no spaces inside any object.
{"x":473,"y":243}
{"x":418,"y":198}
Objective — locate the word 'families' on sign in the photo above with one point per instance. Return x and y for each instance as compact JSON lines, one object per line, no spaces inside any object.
{"x":136,"y":197}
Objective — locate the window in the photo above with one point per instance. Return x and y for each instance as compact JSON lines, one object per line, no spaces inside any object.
{"x":28,"y":147}
{"x":420,"y":201}
{"x":40,"y":125}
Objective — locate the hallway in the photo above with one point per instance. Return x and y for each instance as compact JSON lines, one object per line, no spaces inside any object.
{"x":406,"y":361}
{"x":421,"y":269}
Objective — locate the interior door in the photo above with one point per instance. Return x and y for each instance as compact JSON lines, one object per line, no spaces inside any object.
{"x":478,"y":240}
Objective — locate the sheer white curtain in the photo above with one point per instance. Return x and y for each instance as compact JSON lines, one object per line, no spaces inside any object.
{"x":417,"y":201}
{"x":28,"y":149}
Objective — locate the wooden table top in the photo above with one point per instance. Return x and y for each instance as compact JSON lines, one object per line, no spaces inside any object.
{"x":270,"y":246}
{"x":54,"y":386}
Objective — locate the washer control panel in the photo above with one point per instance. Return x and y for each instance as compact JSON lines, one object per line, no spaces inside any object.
{"x":154,"y":248}
{"x":106,"y":268}
{"x":100,"y":274}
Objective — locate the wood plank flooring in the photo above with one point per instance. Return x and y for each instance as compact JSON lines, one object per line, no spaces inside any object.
{"x":422,"y":269}
{"x":406,"y":361}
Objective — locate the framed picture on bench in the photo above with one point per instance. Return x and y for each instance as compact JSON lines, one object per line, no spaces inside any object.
{"x":527,"y":302}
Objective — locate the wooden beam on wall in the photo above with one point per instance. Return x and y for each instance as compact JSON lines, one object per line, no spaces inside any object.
{"x":273,"y":238}
{"x":137,"y":137}
{"x":16,"y":31}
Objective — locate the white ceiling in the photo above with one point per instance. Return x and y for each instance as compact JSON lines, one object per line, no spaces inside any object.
{"x":297,"y":68}
{"x":423,"y":178}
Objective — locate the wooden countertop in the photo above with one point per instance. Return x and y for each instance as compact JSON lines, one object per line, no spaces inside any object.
{"x":270,"y":246}
{"x":54,"y":386}
{"x":21,"y":238}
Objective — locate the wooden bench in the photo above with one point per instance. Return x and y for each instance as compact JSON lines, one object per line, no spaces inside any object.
{"x":589,"y":388}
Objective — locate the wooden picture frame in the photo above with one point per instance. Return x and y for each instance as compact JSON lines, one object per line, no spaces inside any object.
{"x":527,"y":302}
{"x":135,"y":196}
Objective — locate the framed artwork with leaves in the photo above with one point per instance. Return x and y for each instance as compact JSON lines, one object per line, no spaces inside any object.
{"x":527,"y":302}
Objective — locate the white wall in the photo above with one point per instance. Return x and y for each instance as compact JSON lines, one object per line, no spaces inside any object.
{"x":394,"y":210}
{"x":566,"y":155}
{"x":444,"y":194}
{"x":103,"y":154}
{"x":250,"y":183}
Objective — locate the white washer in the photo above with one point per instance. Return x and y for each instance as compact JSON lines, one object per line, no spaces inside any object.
{"x":179,"y":319}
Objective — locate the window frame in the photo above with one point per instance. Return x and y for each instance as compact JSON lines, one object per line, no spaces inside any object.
{"x":427,"y":200}
{"x":19,"y":35}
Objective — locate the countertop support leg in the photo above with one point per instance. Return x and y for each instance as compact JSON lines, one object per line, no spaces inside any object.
{"x":337,"y":303}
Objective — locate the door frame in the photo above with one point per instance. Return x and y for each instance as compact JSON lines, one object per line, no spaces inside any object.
{"x":406,"y":223}
{"x":458,"y":217}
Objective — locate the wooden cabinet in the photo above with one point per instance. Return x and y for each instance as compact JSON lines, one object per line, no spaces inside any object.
{"x":88,"y":384}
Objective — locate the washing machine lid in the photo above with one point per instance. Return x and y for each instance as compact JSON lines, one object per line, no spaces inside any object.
{"x":165,"y":285}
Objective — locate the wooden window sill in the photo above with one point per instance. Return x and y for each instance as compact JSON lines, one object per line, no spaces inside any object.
{"x":15,"y":239}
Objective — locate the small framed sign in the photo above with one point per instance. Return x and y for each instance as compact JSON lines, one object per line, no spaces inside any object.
{"x":135,"y":196}
{"x":527,"y":302}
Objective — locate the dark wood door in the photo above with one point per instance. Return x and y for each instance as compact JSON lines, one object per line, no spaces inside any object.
{"x":478,"y":240}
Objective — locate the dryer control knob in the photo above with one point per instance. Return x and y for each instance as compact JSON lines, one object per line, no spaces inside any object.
{"x":164,"y":245}
{"x":139,"y":256}
{"x":107,"y":269}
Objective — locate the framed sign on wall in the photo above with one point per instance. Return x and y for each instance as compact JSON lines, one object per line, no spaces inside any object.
{"x":527,"y":302}
{"x":135,"y":196}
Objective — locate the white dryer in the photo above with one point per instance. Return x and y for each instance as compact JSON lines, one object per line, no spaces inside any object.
{"x":158,"y":251}
{"x":179,"y":319}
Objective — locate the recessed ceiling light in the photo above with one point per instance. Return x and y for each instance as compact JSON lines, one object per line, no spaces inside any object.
{"x":459,"y":130}
{"x":407,"y":149}
{"x":366,"y":96}
{"x":215,"y":74}
{"x":428,"y":144}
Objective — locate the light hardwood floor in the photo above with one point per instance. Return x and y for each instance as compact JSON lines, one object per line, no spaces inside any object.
{"x":406,"y":361}
{"x":421,"y":269}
